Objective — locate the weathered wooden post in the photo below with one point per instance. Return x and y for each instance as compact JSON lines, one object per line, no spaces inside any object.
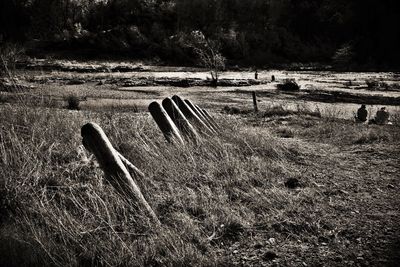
{"x":96,"y":141}
{"x":198,"y":113}
{"x":165,"y":123}
{"x":210,"y":122}
{"x":179,"y":119}
{"x":255,"y":102}
{"x":210,"y":118}
{"x":190,"y":115}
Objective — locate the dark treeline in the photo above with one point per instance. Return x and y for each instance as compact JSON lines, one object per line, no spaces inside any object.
{"x":250,"y":32}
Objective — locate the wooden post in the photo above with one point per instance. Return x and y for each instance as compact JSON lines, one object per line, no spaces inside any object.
{"x":210,"y":118}
{"x":96,"y":141}
{"x":210,"y":122}
{"x":255,"y":102}
{"x":165,"y":123}
{"x":190,"y":115}
{"x":179,"y":119}
{"x":198,"y":113}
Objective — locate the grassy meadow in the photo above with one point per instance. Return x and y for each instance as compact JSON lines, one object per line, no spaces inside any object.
{"x":283,"y":187}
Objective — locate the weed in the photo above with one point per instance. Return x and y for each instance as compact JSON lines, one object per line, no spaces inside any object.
{"x":371,"y":136}
{"x":73,"y":102}
{"x":285,"y":132}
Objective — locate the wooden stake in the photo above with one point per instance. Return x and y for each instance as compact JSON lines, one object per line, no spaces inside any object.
{"x":96,"y":141}
{"x":165,"y":123}
{"x":191,"y":115}
{"x":179,"y":119}
{"x":198,"y":113}
{"x":210,"y":118}
{"x":255,"y":102}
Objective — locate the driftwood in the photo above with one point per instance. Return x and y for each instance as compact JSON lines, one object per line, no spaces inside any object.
{"x":191,"y":115}
{"x":96,"y":141}
{"x":179,"y":119}
{"x":165,"y":123}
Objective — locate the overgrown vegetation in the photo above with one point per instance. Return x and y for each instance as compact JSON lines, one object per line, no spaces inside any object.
{"x":251,"y":32}
{"x":221,"y":202}
{"x":73,"y":102}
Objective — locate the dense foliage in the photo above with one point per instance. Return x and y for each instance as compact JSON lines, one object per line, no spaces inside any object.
{"x":251,"y":32}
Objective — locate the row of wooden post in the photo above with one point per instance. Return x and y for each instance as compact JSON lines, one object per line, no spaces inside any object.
{"x":175,"y":117}
{"x":181,"y":120}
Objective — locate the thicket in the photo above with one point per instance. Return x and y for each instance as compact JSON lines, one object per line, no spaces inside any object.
{"x":251,"y":32}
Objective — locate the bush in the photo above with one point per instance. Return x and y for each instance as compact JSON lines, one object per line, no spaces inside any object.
{"x":9,"y":56}
{"x":288,"y":85}
{"x":73,"y":102}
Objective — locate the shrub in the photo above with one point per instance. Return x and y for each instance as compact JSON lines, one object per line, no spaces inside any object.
{"x":285,"y":132}
{"x":231,"y":110}
{"x":73,"y":102}
{"x":373,"y":84}
{"x":288,"y":85}
{"x":9,"y":56}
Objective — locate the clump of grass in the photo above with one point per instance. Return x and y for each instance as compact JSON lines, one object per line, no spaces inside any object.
{"x":374,"y":84}
{"x":73,"y":102}
{"x":235,"y":110}
{"x":371,"y":136}
{"x":285,"y":132}
{"x":288,"y":85}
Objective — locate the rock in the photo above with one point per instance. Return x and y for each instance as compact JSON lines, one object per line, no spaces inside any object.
{"x":292,"y":183}
{"x":258,"y":246}
{"x":269,"y":255}
{"x":338,"y":259}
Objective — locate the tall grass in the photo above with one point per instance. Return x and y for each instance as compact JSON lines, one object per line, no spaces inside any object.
{"x":55,"y":197}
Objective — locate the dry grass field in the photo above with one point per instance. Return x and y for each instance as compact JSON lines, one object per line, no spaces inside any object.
{"x":297,"y":184}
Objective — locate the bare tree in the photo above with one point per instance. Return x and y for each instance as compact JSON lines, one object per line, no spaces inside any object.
{"x":207,"y":52}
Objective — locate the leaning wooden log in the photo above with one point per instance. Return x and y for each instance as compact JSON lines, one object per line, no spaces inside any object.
{"x":179,"y":119}
{"x":198,"y":113}
{"x":255,"y":102}
{"x":165,"y":123}
{"x":191,"y":115}
{"x":216,"y":128}
{"x":96,"y":141}
{"x":210,"y":118}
